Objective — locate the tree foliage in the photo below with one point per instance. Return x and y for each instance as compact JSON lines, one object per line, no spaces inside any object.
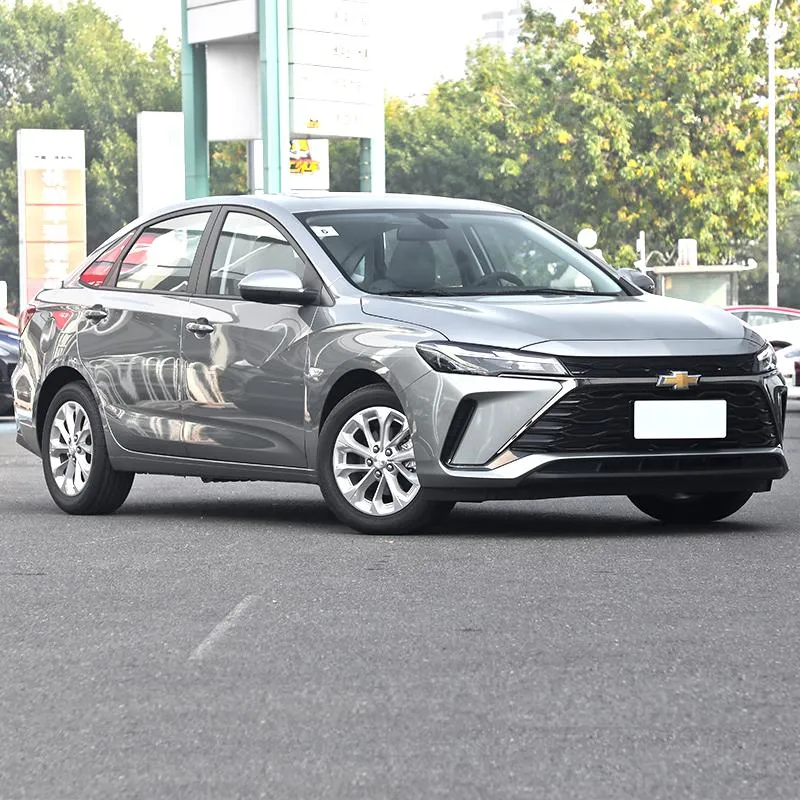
{"x":634,"y":116}
{"x":75,"y":69}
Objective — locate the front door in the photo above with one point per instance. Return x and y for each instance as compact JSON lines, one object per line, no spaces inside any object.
{"x":245,"y":361}
{"x":130,"y":336}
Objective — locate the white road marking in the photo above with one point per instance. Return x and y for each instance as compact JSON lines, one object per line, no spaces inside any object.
{"x":223,"y":627}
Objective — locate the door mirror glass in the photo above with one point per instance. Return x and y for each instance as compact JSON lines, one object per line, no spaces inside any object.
{"x":276,"y":287}
{"x":640,"y":280}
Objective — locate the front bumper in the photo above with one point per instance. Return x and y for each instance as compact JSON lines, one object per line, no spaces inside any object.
{"x":465,"y":427}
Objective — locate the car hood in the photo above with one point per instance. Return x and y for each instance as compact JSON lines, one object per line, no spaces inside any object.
{"x":635,"y":325}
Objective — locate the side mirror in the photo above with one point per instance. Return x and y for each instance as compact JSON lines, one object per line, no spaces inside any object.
{"x":277,"y":287}
{"x":640,"y":280}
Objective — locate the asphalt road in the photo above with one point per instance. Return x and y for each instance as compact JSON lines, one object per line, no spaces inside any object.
{"x":234,"y":642}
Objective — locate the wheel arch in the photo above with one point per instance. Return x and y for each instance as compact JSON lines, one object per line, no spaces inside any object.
{"x":53,"y":383}
{"x":349,"y":382}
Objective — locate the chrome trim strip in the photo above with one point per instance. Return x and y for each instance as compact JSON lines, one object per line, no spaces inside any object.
{"x":567,"y":386}
{"x":527,"y":465}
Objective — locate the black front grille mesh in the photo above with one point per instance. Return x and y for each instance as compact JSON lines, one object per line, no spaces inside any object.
{"x":599,"y":419}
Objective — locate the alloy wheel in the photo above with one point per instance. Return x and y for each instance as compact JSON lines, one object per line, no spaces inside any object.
{"x":70,"y":448}
{"x":373,"y":462}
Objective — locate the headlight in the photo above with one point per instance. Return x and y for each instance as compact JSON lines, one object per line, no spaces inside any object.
{"x":766,"y":360}
{"x":475,"y":360}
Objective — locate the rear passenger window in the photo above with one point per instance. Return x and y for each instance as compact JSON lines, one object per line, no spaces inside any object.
{"x":96,"y":273}
{"x":161,"y":258}
{"x":249,"y":244}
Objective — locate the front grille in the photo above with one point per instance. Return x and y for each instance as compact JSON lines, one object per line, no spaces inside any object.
{"x":707,"y":366}
{"x":599,"y":419}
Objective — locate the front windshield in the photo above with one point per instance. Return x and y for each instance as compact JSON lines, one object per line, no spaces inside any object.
{"x":465,"y":253}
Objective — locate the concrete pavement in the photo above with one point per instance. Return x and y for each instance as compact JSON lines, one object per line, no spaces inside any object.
{"x":233,"y":641}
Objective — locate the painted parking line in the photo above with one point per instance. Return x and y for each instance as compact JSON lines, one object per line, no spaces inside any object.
{"x":223,"y":628}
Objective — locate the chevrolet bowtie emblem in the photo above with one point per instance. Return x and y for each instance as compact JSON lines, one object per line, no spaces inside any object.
{"x":678,"y":380}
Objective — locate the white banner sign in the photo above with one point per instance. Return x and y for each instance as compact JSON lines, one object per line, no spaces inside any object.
{"x":162,"y":171}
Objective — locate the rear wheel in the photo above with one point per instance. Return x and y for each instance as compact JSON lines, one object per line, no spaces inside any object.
{"x":686,"y":509}
{"x":77,"y":469}
{"x":367,"y":468}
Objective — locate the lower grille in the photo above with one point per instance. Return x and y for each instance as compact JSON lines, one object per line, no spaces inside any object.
{"x":599,"y":419}
{"x":713,"y":463}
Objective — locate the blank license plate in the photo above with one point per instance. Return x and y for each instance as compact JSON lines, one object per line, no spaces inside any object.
{"x":680,"y":419}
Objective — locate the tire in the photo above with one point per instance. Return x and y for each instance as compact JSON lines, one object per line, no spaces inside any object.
{"x":95,"y":487}
{"x":344,"y":447}
{"x":698,"y":509}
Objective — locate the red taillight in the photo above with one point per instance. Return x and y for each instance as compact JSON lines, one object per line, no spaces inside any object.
{"x":25,"y":317}
{"x":797,"y":372}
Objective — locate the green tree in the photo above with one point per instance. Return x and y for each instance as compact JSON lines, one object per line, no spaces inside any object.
{"x":634,"y":115}
{"x":75,"y":69}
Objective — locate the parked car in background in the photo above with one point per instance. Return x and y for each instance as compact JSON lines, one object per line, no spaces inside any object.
{"x":789,"y":367}
{"x":756,"y":316}
{"x":781,"y":334}
{"x":403,"y":353}
{"x":8,"y":320}
{"x":9,"y":355}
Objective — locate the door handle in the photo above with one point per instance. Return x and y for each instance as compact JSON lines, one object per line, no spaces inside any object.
{"x":200,"y":327}
{"x":96,"y":313}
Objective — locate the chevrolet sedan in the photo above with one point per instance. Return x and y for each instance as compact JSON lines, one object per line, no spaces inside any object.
{"x":403,"y":353}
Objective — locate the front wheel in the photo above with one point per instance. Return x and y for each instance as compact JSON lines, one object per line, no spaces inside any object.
{"x":687,"y":509}
{"x":367,"y":469}
{"x":77,"y":469}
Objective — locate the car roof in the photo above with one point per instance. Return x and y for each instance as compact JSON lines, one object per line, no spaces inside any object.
{"x":343,"y":201}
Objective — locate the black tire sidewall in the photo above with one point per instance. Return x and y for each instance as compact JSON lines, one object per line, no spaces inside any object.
{"x":417,"y":516}
{"x":698,"y":510}
{"x":91,"y":496}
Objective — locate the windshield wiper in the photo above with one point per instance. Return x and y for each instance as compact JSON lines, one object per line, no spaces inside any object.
{"x":550,"y":290}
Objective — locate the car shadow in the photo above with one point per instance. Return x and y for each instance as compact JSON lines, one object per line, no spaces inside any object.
{"x":466,"y":521}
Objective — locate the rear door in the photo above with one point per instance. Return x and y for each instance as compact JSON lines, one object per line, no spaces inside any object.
{"x":130,"y":336}
{"x":244,"y":381}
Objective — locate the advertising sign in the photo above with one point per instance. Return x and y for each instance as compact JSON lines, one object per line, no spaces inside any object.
{"x":310,"y":166}
{"x":333,"y":88}
{"x":51,"y":167}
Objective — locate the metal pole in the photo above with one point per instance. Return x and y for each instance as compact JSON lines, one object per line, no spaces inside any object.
{"x":365,"y":165}
{"x":195,"y":113}
{"x":772,"y":234}
{"x":273,"y":63}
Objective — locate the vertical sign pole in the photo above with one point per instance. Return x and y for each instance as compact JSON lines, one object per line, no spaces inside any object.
{"x":365,"y":165}
{"x":273,"y":32}
{"x":378,"y":152}
{"x":195,"y":112}
{"x":23,"y":238}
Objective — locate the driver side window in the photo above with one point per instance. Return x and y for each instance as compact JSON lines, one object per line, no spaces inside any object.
{"x":249,"y":244}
